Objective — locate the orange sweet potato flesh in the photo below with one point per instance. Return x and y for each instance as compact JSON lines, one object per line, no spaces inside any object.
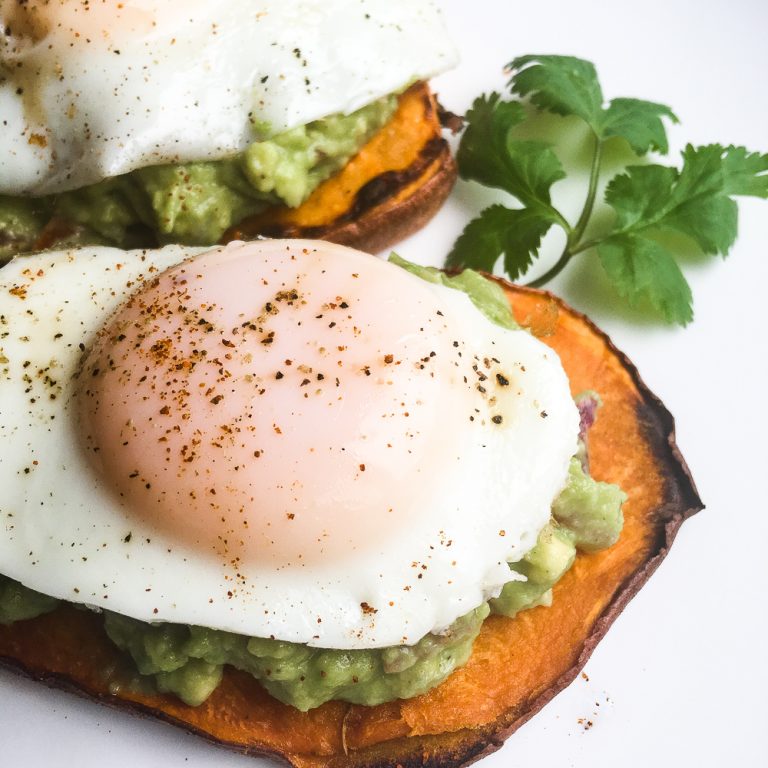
{"x":517,"y":665}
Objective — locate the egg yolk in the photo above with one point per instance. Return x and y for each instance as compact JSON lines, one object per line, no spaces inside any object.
{"x":276,"y":404}
{"x":77,"y":23}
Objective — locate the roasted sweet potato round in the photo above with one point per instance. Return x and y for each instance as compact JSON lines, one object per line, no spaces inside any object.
{"x":517,"y":665}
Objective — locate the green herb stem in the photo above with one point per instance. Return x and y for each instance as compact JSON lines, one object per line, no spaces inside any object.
{"x":586,"y":245}
{"x":575,"y":234}
{"x":558,"y":267}
{"x":589,"y":202}
{"x":561,"y":221}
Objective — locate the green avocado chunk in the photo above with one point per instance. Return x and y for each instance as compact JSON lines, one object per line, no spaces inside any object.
{"x":543,"y":567}
{"x":591,"y":510}
{"x":195,"y":203}
{"x":20,"y":222}
{"x":18,"y":603}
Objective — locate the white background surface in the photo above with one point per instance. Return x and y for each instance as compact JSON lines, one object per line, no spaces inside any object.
{"x":681,"y":677}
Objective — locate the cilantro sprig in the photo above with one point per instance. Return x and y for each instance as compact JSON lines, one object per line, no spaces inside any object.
{"x":694,"y":200}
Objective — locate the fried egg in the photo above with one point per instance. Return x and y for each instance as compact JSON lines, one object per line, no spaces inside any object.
{"x":91,"y":89}
{"x":286,"y":439}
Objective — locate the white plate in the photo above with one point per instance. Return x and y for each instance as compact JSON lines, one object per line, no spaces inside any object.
{"x":680,"y":678}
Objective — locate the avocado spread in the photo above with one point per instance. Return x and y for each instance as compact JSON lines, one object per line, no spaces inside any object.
{"x":196,"y":203}
{"x":486,"y":295}
{"x":188,"y":660}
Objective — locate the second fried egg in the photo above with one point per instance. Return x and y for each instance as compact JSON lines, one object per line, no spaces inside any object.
{"x":283,"y":439}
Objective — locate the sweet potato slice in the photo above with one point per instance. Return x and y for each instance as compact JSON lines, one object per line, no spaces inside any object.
{"x":517,"y":665}
{"x":391,"y":188}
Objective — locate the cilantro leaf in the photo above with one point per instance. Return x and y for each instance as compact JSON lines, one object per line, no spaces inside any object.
{"x":515,"y":233}
{"x":643,"y":270}
{"x":711,"y":222}
{"x":567,"y":86}
{"x":694,"y":201}
{"x":564,"y":85}
{"x":726,"y":170}
{"x":639,"y":122}
{"x":488,"y":153}
{"x":638,"y":195}
{"x":745,"y":172}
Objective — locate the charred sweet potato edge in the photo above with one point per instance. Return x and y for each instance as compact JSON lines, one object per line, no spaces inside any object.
{"x":517,"y":665}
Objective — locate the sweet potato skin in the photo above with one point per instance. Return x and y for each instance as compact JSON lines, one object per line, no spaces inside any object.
{"x":477,"y":707}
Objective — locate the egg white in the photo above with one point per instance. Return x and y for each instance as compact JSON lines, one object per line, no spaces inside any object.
{"x":65,"y":534}
{"x":94,"y":90}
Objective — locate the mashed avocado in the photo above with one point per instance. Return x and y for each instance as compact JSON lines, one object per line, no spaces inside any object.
{"x":18,"y":603}
{"x":195,"y":203}
{"x":590,"y":510}
{"x":542,"y":567}
{"x":188,"y":661}
{"x":486,"y":295}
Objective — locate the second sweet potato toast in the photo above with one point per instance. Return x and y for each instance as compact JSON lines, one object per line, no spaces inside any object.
{"x":517,"y":664}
